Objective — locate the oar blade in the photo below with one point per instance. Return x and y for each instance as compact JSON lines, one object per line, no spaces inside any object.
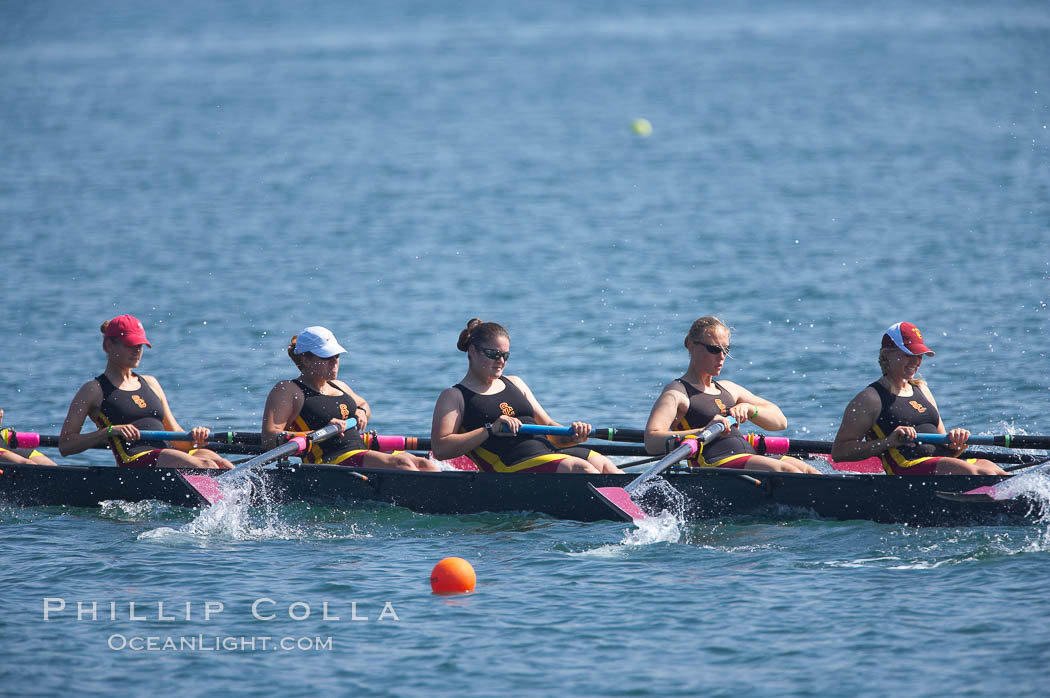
{"x":619,"y":500}
{"x":1027,"y":483}
{"x":205,"y":486}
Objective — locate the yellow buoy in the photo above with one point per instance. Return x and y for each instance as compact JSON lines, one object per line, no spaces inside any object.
{"x":642,"y":127}
{"x":453,"y":575}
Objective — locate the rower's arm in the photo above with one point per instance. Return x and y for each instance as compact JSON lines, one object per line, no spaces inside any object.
{"x":445,"y":442}
{"x":668,"y":407}
{"x":282,"y":407}
{"x":857,"y":420}
{"x":70,"y":440}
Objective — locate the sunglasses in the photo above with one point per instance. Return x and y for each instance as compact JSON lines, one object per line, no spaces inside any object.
{"x":716,"y":348}
{"x":494,"y":353}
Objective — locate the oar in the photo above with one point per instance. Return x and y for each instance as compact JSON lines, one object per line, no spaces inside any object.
{"x":604,"y":433}
{"x":29,"y":439}
{"x":1005,"y":440}
{"x":219,"y":437}
{"x":781,"y":445}
{"x":1010,"y":488}
{"x":619,"y":498}
{"x":206,"y":487}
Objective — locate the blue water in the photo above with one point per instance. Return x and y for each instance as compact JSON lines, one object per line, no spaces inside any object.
{"x":232,"y":172}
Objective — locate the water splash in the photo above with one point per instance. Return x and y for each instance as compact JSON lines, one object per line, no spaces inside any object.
{"x":664,"y":527}
{"x":247,"y":511}
{"x":667,"y":509}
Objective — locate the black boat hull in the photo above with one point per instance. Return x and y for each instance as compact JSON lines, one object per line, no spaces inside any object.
{"x":89,"y":485}
{"x":704,"y":495}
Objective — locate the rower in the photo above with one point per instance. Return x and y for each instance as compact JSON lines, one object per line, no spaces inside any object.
{"x":122,"y":403}
{"x":317,"y":398}
{"x":480,"y":416}
{"x":19,"y":455}
{"x":883,"y":419}
{"x":695,"y":401}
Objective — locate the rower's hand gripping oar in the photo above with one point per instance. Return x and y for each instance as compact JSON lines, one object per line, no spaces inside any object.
{"x":619,"y":498}
{"x":206,"y":486}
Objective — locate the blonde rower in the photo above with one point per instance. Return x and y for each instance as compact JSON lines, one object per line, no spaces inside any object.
{"x":696,"y":400}
{"x":884,"y":418}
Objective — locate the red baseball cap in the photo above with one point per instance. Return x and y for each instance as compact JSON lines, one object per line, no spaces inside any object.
{"x":906,"y":337}
{"x":128,"y":329}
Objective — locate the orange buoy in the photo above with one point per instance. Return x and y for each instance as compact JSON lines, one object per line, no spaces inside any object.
{"x":453,"y":575}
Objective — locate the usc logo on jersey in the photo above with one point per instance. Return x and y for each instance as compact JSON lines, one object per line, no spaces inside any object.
{"x":721,"y":405}
{"x":344,"y":411}
{"x":918,"y":406}
{"x":506,"y":409}
{"x":138,"y":401}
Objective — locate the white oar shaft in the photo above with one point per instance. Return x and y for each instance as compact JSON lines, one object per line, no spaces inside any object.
{"x":294,"y":445}
{"x":688,"y":448}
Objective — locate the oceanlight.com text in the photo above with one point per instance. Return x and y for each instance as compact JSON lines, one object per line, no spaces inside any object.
{"x":217,"y":643}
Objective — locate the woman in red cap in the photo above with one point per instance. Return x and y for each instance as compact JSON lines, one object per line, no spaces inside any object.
{"x":121,"y":403}
{"x":317,"y":398}
{"x":480,"y":416}
{"x":883,"y":419}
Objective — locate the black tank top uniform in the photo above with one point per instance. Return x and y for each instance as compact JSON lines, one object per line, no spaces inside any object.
{"x":913,"y":411}
{"x":507,"y":454}
{"x":727,"y":450}
{"x":142,"y":408}
{"x":318,"y":411}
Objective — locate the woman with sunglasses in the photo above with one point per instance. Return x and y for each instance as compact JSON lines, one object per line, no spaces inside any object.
{"x":884,"y":418}
{"x":480,"y":416}
{"x":122,"y":403}
{"x":695,"y":401}
{"x":317,"y":398}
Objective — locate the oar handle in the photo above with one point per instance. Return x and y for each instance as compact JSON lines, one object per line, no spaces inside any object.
{"x":219,"y":437}
{"x":1004,"y":440}
{"x":604,"y":433}
{"x":24,"y":439}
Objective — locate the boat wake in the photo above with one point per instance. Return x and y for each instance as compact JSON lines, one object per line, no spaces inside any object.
{"x":148,"y":510}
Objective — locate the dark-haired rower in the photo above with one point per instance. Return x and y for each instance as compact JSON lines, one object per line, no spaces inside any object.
{"x":480,"y":416}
